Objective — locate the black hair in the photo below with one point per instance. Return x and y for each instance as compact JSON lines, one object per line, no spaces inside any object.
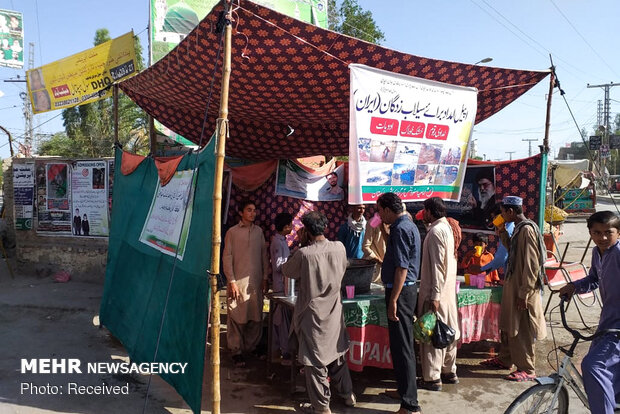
{"x":604,"y":217}
{"x":282,"y":220}
{"x":315,"y":222}
{"x":497,"y":210}
{"x":516,"y":209}
{"x":435,"y":206}
{"x":244,"y":203}
{"x":333,"y":172}
{"x":390,"y":201}
{"x":481,"y":238}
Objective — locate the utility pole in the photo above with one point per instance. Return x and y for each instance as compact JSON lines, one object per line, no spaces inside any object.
{"x":28,"y":116}
{"x":529,"y":141}
{"x":510,"y":154}
{"x":606,"y":116}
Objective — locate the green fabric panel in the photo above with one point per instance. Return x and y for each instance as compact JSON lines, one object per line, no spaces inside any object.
{"x":138,"y":277}
{"x":472,"y":296}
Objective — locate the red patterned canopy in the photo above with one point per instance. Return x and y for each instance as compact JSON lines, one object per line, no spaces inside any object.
{"x":289,"y":87}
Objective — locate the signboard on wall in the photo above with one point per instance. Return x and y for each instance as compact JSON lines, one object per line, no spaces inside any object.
{"x":89,"y":198}
{"x":53,"y":198}
{"x":23,"y":193}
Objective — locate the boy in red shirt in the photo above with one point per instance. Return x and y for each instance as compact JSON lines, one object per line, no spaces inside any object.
{"x":479,"y":257}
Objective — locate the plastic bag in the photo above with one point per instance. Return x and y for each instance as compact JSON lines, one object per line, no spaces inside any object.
{"x":443,"y":335}
{"x":424,"y":326}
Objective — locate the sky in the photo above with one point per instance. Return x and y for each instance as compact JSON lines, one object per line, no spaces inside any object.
{"x":581,"y":37}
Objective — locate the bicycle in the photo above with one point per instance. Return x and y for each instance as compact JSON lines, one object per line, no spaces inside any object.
{"x":550,"y":394}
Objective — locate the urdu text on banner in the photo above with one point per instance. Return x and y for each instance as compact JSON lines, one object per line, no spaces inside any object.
{"x":407,"y":135}
{"x":82,"y":78}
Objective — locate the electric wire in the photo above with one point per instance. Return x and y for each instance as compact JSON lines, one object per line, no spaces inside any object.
{"x":36,"y":5}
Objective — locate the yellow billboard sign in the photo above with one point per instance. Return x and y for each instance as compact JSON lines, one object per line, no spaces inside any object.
{"x":82,"y":78}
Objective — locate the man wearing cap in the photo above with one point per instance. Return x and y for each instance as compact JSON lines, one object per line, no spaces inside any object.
{"x":399,"y":273}
{"x":522,"y":320}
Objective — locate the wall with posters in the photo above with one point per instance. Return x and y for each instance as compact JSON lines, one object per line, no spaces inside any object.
{"x":57,"y":211}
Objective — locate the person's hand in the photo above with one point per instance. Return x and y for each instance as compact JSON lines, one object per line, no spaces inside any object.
{"x":233,"y":291}
{"x":471,"y":201}
{"x":391,"y":311}
{"x":434,"y":306}
{"x":567,"y":291}
{"x":265,"y":286}
{"x":521,"y":304}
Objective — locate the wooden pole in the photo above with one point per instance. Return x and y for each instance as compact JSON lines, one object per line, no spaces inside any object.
{"x":545,"y":155}
{"x":115,"y":100}
{"x":222,"y":131}
{"x":6,"y":131}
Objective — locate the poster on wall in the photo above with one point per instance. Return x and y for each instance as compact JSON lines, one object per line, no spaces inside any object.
{"x":294,"y":181}
{"x":11,"y":39}
{"x":407,"y":135}
{"x":53,"y":191}
{"x":110,"y":184}
{"x":23,"y":193}
{"x":89,"y":198}
{"x":167,"y":226}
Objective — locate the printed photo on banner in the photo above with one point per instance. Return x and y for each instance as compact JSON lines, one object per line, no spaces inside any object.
{"x":23,"y":192}
{"x":11,"y":39}
{"x":89,"y":198}
{"x":167,"y":226}
{"x":407,"y":135}
{"x":294,"y":180}
{"x":53,"y":196}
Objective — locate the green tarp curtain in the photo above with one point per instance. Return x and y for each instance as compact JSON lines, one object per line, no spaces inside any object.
{"x":138,"y":276}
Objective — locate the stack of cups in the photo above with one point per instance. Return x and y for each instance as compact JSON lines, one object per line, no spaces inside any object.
{"x":289,"y":287}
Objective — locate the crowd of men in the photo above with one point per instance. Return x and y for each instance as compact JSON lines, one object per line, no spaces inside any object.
{"x":419,"y":276}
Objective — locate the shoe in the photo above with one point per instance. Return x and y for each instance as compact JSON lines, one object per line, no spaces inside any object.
{"x":494,"y":363}
{"x":238,"y":361}
{"x":449,"y":378}
{"x":406,"y":411}
{"x":393,"y":394}
{"x":309,"y":409}
{"x":429,"y":385}
{"x":520,"y":376}
{"x":351,"y":400}
{"x":259,"y":354}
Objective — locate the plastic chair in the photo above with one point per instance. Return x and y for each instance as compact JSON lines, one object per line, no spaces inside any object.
{"x":559,"y":273}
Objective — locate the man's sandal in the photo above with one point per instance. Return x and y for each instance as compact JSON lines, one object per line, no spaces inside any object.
{"x":520,"y":376}
{"x":494,"y":363}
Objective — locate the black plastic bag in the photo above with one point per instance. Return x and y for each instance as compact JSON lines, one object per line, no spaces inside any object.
{"x":443,"y":335}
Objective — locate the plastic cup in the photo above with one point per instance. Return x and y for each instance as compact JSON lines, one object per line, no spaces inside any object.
{"x":458,"y":286}
{"x":375,"y":220}
{"x":467,"y":278}
{"x":350,"y":291}
{"x":478,"y":251}
{"x":419,"y":215}
{"x":498,"y":221}
{"x":481,"y":281}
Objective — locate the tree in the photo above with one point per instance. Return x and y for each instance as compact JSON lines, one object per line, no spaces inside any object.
{"x":350,"y":19}
{"x":89,"y":128}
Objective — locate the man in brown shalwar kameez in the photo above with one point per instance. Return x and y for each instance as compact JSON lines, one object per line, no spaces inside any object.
{"x":438,"y":294}
{"x":318,"y":322}
{"x":522,"y":320}
{"x":246,"y":267}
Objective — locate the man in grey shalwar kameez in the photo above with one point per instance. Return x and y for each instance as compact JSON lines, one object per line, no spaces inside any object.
{"x":318,"y":322}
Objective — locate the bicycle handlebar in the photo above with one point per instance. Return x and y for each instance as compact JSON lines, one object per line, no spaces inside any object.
{"x":576,"y":334}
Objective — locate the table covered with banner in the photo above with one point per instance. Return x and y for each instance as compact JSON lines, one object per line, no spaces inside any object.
{"x":366,"y":320}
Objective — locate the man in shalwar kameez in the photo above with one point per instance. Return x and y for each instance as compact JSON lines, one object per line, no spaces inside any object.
{"x":438,"y":294}
{"x":522,"y":321}
{"x":318,"y":322}
{"x":246,"y":267}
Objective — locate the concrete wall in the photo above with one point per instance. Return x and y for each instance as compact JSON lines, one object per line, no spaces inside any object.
{"x":43,"y":255}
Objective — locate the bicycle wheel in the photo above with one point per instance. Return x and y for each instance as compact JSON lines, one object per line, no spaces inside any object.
{"x":537,"y":398}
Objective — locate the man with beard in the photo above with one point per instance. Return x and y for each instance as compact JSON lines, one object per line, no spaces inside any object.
{"x":485,"y":179}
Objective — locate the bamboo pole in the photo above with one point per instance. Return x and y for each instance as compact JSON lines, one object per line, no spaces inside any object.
{"x":545,"y":156}
{"x":115,"y":109}
{"x":222,"y":131}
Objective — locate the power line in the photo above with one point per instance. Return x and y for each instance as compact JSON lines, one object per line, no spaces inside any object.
{"x":583,"y":38}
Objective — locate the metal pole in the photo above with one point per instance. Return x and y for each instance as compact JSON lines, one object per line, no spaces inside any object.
{"x":222,"y":131}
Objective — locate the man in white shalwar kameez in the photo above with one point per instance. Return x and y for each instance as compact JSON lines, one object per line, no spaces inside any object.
{"x":438,"y":294}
